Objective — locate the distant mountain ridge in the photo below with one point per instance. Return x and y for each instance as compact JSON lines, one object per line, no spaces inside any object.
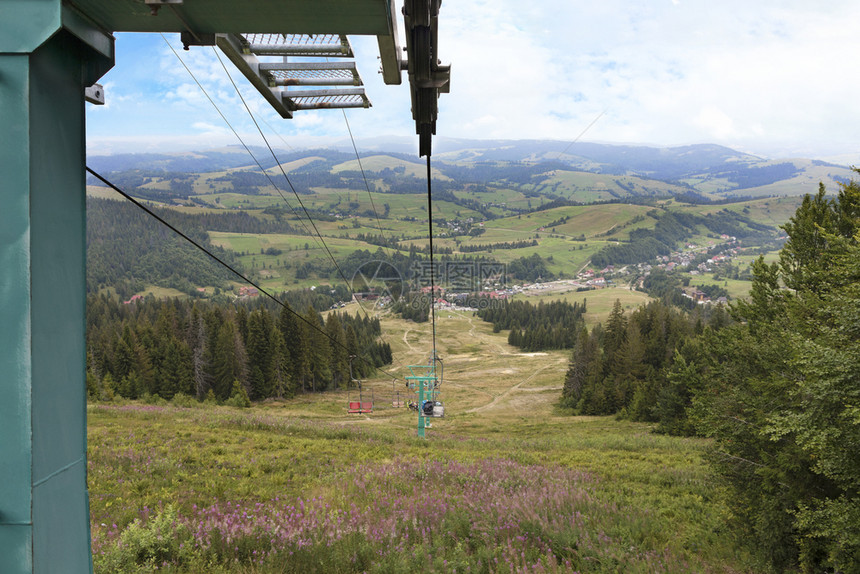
{"x":712,"y":171}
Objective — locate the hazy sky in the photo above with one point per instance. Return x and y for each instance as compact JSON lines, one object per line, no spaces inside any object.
{"x":774,"y":78}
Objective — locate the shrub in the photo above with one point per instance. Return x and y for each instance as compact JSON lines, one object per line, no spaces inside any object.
{"x":238,"y":397}
{"x":163,"y":539}
{"x":183,"y":400}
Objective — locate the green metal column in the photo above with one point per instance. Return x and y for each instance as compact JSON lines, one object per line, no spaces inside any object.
{"x":424,"y":381}
{"x":47,"y":57}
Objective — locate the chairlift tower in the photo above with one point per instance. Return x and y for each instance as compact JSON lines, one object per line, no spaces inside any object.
{"x":52,"y":53}
{"x":427,"y":382}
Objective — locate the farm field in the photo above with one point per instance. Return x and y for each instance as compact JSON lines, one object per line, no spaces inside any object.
{"x":506,"y":482}
{"x":737,"y":288}
{"x":567,"y":237}
{"x":599,"y":302}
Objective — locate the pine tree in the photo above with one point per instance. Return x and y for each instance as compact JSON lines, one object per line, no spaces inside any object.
{"x":227,"y":365}
{"x":317,"y":349}
{"x":616,"y":335}
{"x":777,"y":391}
{"x":339,"y":361}
{"x":584,"y":352}
{"x":282,"y":383}
{"x":260,"y":353}
{"x":296,"y":343}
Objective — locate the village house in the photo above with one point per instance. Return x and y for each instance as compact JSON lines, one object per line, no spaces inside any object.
{"x":248,"y":292}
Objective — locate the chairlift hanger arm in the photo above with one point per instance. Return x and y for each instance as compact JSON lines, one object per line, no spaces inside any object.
{"x":427,"y":77}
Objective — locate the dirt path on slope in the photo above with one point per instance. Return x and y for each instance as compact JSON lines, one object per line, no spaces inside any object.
{"x":498,"y":398}
{"x":405,"y":340}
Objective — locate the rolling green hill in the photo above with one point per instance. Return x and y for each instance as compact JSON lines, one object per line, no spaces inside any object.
{"x":502,"y":201}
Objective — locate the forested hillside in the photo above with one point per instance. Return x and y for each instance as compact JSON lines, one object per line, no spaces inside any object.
{"x":774,"y":383}
{"x":545,"y":216}
{"x":128,"y":249}
{"x":645,"y":244}
{"x":202,"y":350}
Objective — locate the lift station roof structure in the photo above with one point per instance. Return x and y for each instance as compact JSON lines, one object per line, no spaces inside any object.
{"x":289,"y":25}
{"x":281,"y":47}
{"x":360,"y":17}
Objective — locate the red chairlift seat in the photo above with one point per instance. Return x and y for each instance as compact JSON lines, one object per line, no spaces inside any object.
{"x":356,"y":407}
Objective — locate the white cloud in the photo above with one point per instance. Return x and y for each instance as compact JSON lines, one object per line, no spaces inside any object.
{"x":772,"y":76}
{"x":716,"y":123}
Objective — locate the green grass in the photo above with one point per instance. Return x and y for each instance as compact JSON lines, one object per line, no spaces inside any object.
{"x":291,"y":165}
{"x":806,"y":182}
{"x":506,"y":482}
{"x":648,"y":502}
{"x":738,"y":289}
{"x":241,"y":201}
{"x":590,"y":220}
{"x":103,"y":193}
{"x":773,"y":211}
{"x":165,"y":292}
{"x":558,"y":244}
{"x":583,"y":186}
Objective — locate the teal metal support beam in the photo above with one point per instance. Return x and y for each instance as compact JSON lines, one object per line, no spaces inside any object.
{"x":44,"y":506}
{"x":423,"y":379}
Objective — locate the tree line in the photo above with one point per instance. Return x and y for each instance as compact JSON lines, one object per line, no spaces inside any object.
{"x":202,"y":349}
{"x":624,"y":365}
{"x":531,"y":268}
{"x":775,"y":382}
{"x":467,"y":248}
{"x":538,"y":327}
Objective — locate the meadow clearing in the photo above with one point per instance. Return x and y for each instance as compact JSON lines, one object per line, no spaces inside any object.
{"x":506,"y":482}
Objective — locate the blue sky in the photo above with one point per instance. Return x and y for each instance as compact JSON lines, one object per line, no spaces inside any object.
{"x":774,"y":78}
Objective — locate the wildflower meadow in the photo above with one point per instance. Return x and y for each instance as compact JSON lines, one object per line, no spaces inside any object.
{"x":217,"y":489}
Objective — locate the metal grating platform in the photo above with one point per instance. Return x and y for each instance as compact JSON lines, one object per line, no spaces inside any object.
{"x":322,"y":99}
{"x":301,"y":64}
{"x":312,"y":74}
{"x":331,"y":45}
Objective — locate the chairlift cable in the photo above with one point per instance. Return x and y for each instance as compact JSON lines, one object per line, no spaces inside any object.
{"x":582,"y":133}
{"x":366,"y":184}
{"x":266,"y":174}
{"x":281,"y":167}
{"x":228,"y":266}
{"x":432,"y":264}
{"x":229,"y":125}
{"x":262,"y":169}
{"x":290,"y":183}
{"x":372,"y":204}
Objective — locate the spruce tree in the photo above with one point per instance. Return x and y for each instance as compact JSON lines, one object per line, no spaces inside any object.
{"x":778,"y":392}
